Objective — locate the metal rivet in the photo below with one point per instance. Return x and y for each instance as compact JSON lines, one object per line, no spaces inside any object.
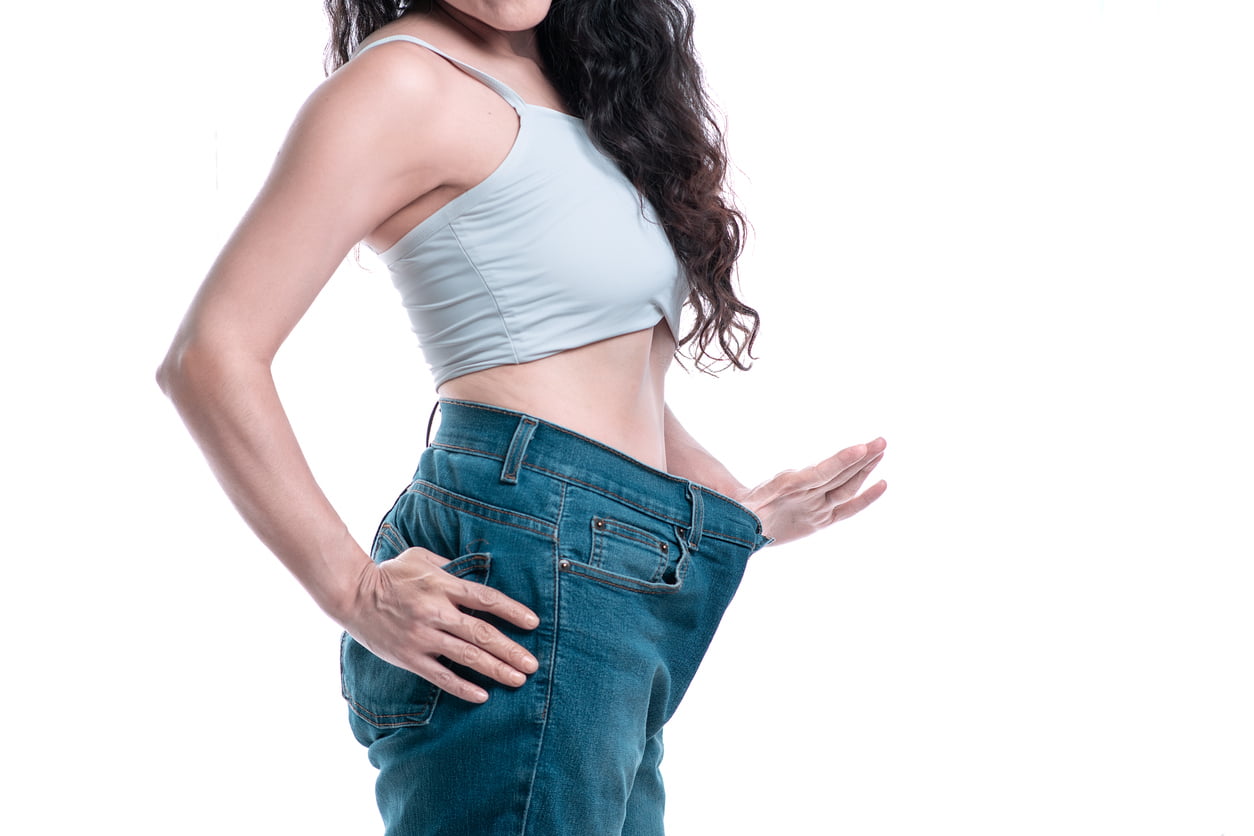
{"x":665,"y":547}
{"x":599,"y":523}
{"x":565,"y":564}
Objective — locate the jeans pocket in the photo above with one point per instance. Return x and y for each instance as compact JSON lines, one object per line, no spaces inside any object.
{"x":384,"y":695}
{"x":631,"y":557}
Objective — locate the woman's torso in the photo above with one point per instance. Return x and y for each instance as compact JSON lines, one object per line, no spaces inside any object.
{"x":612,"y":389}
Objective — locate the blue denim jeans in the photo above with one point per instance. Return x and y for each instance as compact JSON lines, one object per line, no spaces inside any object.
{"x":630,"y":570}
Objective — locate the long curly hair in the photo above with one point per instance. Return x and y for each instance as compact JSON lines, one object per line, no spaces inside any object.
{"x":629,"y":69}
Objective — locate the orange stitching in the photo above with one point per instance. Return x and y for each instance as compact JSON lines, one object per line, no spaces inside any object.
{"x":370,"y":717}
{"x":645,"y":587}
{"x":549,"y":533}
{"x":621,"y":530}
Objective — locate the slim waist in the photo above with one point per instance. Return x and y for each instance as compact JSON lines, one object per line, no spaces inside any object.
{"x":522,"y":442}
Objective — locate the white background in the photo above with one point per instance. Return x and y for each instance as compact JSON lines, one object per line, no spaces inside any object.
{"x":1013,"y":238}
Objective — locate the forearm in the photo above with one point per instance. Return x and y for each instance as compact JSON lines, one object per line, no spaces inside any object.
{"x":232,"y":409}
{"x":687,"y":458}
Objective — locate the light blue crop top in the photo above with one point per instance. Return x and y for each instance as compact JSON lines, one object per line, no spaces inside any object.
{"x":553,"y":250}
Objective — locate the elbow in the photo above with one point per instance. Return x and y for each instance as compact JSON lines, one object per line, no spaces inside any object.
{"x":192,"y":367}
{"x":166,"y":372}
{"x":180,"y":368}
{"x":205,"y":365}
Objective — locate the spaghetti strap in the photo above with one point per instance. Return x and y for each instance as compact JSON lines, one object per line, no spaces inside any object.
{"x":503,"y":90}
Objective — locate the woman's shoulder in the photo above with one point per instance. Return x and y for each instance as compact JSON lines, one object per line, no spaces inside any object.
{"x":396,"y":89}
{"x":400,"y":71}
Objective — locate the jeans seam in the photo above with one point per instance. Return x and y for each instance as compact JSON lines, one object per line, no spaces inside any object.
{"x":552,"y":662}
{"x":547,"y":529}
{"x":388,"y":532}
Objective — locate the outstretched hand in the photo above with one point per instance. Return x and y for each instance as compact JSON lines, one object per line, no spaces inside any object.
{"x":796,"y":503}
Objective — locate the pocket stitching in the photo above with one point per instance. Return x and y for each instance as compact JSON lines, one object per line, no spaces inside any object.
{"x":388,"y":532}
{"x":601,"y":576}
{"x":617,"y":528}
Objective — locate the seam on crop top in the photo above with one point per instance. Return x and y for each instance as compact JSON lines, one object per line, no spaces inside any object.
{"x":465,"y":202}
{"x":428,"y":227}
{"x":513,"y":349}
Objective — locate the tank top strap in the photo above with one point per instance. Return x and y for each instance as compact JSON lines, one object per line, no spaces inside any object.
{"x":503,"y":90}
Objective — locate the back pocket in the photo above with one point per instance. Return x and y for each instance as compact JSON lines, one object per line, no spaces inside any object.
{"x":384,"y":695}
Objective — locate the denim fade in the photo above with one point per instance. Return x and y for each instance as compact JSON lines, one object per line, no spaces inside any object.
{"x":629,"y":569}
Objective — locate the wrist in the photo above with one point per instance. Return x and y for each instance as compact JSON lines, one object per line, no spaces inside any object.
{"x":340,"y":580}
{"x":345,"y":600}
{"x":732,"y":489}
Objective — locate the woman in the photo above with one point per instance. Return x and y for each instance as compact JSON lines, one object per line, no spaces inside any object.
{"x":537,"y":600}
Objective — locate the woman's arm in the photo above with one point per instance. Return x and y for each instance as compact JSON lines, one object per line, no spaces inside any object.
{"x":687,"y":458}
{"x":794,"y":503}
{"x":348,"y":163}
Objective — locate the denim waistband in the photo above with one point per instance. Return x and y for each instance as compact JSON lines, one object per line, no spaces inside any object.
{"x":521,"y":441}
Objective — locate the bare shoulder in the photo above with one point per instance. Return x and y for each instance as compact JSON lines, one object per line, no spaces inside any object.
{"x":399,"y":67}
{"x":390,"y":90}
{"x":384,"y":124}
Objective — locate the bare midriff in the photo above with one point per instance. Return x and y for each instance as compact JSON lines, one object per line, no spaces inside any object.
{"x":611,"y":390}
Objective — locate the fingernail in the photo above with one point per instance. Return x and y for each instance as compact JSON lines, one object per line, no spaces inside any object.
{"x":481,"y":696}
{"x":517,"y":678}
{"x":531,"y":664}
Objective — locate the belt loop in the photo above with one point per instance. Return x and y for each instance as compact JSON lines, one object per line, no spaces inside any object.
{"x":698,"y":516}
{"x":517,"y":447}
{"x":431,"y":420}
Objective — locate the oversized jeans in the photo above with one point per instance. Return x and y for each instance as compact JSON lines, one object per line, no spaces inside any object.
{"x":628,"y":568}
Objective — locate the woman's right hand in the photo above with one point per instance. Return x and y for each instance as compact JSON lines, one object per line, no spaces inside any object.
{"x":408,"y":611}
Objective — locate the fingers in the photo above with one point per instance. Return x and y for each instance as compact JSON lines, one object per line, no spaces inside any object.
{"x":479,"y":646}
{"x":845,"y":510}
{"x":851,"y":460}
{"x":847,"y":501}
{"x":476,"y":596}
{"x":436,"y":673}
{"x":484,"y":598}
{"x":418,"y":621}
{"x":476,"y":644}
{"x":832,"y":472}
{"x":847,"y":489}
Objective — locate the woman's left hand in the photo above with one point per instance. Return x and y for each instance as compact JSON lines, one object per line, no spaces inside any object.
{"x":796,"y":503}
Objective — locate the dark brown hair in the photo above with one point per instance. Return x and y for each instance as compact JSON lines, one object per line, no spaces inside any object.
{"x":629,"y":69}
